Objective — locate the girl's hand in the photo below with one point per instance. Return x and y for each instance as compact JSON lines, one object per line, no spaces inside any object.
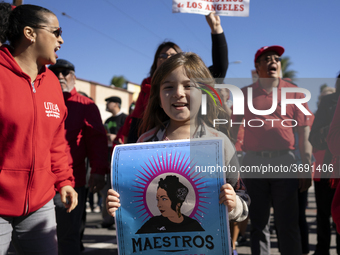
{"x":228,"y":196}
{"x":112,"y":202}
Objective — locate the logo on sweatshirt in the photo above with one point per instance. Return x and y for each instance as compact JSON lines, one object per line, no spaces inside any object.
{"x":52,"y":110}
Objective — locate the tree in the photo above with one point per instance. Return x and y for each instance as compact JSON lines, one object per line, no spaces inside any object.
{"x":286,"y":73}
{"x":118,"y":81}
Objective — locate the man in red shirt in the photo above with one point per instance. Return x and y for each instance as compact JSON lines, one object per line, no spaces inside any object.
{"x":269,"y":142}
{"x":86,"y":137}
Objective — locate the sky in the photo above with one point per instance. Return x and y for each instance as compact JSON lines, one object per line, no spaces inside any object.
{"x":103,"y":38}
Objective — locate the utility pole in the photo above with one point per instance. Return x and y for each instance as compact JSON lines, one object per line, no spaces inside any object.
{"x":17,"y":2}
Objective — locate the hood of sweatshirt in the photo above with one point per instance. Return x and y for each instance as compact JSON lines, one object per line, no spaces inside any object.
{"x":7,"y":61}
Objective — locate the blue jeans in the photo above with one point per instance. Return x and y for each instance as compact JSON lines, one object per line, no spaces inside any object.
{"x":32,"y":234}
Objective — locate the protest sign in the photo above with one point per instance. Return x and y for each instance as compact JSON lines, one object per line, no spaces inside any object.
{"x":238,"y":8}
{"x":167,"y":206}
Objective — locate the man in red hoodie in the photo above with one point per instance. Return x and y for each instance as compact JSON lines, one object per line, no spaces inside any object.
{"x":86,"y":138}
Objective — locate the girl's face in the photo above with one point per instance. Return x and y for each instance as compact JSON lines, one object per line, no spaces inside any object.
{"x":165,"y":53}
{"x":180,"y":99}
{"x":47,"y":42}
{"x":164,"y":204}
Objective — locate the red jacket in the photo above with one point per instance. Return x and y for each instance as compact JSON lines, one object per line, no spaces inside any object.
{"x":33,"y":161}
{"x":86,"y":136}
{"x":143,"y":99}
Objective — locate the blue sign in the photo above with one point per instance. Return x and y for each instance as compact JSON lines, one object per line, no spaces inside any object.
{"x":169,"y":199}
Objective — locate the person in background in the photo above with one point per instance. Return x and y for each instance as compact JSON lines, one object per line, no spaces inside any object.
{"x":336,"y":209}
{"x":5,"y":8}
{"x":127,"y":124}
{"x":168,"y":49}
{"x":112,"y":125}
{"x":324,"y":193}
{"x":86,"y":138}
{"x":237,"y":229}
{"x":333,"y":140}
{"x":116,"y":121}
{"x":325,"y":91}
{"x":33,"y":159}
{"x":272,"y":144}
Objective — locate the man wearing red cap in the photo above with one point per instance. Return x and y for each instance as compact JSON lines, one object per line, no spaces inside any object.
{"x":269,"y":142}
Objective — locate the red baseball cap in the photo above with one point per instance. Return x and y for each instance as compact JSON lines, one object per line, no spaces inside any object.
{"x":278,"y":49}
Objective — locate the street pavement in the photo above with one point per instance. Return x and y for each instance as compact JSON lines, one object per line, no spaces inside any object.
{"x":103,"y":241}
{"x":98,"y":241}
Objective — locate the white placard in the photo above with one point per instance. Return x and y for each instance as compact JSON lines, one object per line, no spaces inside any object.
{"x":236,"y":8}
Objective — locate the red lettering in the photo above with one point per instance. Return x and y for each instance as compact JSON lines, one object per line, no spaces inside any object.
{"x":241,"y":7}
{"x":213,"y":8}
{"x":240,"y":0}
{"x":227,"y":7}
{"x":188,"y":6}
{"x":207,"y":8}
{"x":236,"y":7}
{"x":194,"y":5}
{"x":199,"y":5}
{"x":219,"y":7}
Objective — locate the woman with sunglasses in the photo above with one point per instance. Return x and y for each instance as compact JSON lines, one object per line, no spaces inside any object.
{"x":168,"y":49}
{"x":33,"y":162}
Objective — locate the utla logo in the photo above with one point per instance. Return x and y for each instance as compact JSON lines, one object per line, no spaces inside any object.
{"x":52,"y":110}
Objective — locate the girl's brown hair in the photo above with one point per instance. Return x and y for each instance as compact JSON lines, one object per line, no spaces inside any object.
{"x":196,"y":70}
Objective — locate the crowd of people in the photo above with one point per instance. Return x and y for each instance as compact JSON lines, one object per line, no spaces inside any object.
{"x":48,"y":146}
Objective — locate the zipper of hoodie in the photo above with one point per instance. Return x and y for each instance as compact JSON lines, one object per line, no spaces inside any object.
{"x":33,"y":149}
{"x":33,"y":88}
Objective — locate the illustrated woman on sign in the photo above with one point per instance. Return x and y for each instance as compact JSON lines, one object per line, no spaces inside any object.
{"x":170,"y":196}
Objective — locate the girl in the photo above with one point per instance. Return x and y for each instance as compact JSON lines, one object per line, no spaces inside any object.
{"x":168,"y":49}
{"x":33,"y":161}
{"x":173,"y":112}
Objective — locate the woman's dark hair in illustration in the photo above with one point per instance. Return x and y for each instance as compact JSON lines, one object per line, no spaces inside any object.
{"x":176,"y":191}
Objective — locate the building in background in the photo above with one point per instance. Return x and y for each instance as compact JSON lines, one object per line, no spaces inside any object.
{"x":98,"y":92}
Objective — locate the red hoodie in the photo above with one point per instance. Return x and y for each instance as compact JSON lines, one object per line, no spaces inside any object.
{"x":143,"y":99}
{"x":33,"y":161}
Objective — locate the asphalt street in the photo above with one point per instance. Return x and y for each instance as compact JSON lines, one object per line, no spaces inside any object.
{"x":98,"y":241}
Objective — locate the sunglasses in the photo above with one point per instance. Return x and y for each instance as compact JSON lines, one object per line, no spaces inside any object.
{"x":64,"y":72}
{"x":271,"y":58}
{"x":56,"y":32}
{"x":166,"y":56}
